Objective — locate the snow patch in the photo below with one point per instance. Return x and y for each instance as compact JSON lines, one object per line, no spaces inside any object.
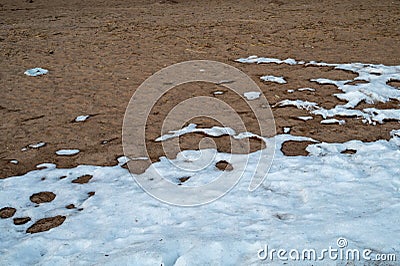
{"x":66,"y":152}
{"x":33,"y":72}
{"x":333,"y":121}
{"x":81,"y":118}
{"x":252,"y":95}
{"x":270,"y":78}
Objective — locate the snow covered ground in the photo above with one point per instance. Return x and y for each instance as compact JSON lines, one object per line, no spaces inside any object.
{"x":314,"y":202}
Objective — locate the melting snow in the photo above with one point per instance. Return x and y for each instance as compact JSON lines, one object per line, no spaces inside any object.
{"x":305,"y":118}
{"x":192,"y":128}
{"x":279,"y":80}
{"x":67,"y":152}
{"x":305,"y":202}
{"x":33,"y":72}
{"x":374,"y":89}
{"x":37,"y":145}
{"x":252,"y":95}
{"x":306,"y":89}
{"x":81,"y":118}
{"x":333,"y":121}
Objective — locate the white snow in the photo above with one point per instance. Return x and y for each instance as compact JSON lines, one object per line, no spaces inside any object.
{"x":14,"y":161}
{"x":192,"y":128}
{"x":252,"y":95}
{"x":305,"y":105}
{"x":374,"y":88}
{"x":81,"y":118}
{"x":290,"y":91}
{"x":67,"y":152}
{"x":306,"y":89}
{"x":369,"y":115}
{"x":305,"y":118}
{"x":218,"y":92}
{"x":265,"y":60}
{"x":37,"y":145}
{"x":270,"y":78}
{"x":305,"y":202}
{"x":333,"y":121}
{"x":286,"y":130}
{"x":33,"y":72}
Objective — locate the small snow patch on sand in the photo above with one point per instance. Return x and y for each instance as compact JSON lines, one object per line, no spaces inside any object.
{"x":270,"y":78}
{"x":192,"y":128}
{"x":81,"y":118}
{"x":305,"y":118}
{"x":252,"y":95}
{"x":37,"y":145}
{"x":33,"y":72}
{"x":66,"y":152}
{"x":333,"y":121}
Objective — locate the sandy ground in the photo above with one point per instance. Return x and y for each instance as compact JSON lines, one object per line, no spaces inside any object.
{"x":99,"y":52}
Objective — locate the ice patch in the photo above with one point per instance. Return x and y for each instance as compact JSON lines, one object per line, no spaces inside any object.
{"x":306,"y":89}
{"x":252,"y":95}
{"x":33,"y":72}
{"x":333,"y":121}
{"x":305,"y":105}
{"x":37,"y":145}
{"x":65,"y":152}
{"x":305,"y":118}
{"x":286,"y":130}
{"x":81,"y":118}
{"x":265,"y":60}
{"x":192,"y":128}
{"x":270,"y":78}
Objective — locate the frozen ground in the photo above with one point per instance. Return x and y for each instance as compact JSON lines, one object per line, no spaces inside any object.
{"x":306,"y":202}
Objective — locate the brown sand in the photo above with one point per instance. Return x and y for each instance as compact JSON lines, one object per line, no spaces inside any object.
{"x":99,"y":52}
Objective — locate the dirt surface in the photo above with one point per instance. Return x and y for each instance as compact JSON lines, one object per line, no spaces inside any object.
{"x":82,"y":179}
{"x":21,"y":220}
{"x":46,"y":224}
{"x":7,"y":212}
{"x":42,"y":197}
{"x":99,"y":52}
